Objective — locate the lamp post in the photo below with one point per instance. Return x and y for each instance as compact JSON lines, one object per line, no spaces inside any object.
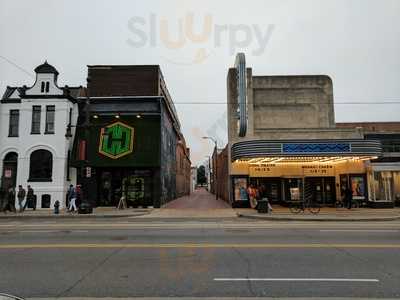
{"x":216,"y":162}
{"x":209,"y":173}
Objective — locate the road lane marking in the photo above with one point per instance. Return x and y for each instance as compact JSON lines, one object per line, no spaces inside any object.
{"x":301,"y":279}
{"x":193,"y":245}
{"x":359,"y":230}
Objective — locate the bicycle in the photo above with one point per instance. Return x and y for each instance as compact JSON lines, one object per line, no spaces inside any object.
{"x":300,"y":206}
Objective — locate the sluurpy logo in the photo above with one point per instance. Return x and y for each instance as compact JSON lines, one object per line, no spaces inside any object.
{"x":181,"y":35}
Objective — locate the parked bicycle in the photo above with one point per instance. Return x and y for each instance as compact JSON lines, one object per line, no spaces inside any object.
{"x":300,"y":206}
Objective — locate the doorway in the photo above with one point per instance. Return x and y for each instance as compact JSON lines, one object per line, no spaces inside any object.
{"x":322,"y":189}
{"x":135,"y":185}
{"x":9,"y":174}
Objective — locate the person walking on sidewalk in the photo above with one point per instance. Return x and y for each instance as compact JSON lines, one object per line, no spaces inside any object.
{"x":21,"y":197}
{"x":72,"y":198}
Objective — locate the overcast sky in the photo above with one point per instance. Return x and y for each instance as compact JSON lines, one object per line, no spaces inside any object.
{"x":356,"y":42}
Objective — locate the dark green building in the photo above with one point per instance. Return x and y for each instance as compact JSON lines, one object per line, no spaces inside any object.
{"x":127,"y":137}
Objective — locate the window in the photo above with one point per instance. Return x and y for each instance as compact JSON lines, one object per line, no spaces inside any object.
{"x":41,"y":166}
{"x":14,"y":123}
{"x":36,"y":111}
{"x":50,"y":111}
{"x":42,"y":87}
{"x":47,"y":87}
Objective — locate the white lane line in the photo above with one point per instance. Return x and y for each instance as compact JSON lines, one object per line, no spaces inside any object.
{"x":51,"y":231}
{"x":358,"y":230}
{"x":37,"y":231}
{"x":300,"y":279}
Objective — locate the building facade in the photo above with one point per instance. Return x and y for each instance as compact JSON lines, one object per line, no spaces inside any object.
{"x":129,"y":142}
{"x":383,"y":173}
{"x":35,"y":144}
{"x":282,"y":136}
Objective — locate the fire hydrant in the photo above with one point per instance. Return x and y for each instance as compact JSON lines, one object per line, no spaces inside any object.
{"x":57,"y":207}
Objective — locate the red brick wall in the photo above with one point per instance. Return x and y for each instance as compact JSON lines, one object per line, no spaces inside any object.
{"x":182,"y":170}
{"x":221,"y":170}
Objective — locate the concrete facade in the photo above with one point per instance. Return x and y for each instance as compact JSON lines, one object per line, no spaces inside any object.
{"x":290,"y":129}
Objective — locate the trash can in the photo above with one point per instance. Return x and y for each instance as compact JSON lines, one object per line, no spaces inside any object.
{"x":262,"y":206}
{"x":85,"y":208}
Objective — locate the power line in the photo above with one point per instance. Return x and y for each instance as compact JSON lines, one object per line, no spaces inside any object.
{"x":335,"y":103}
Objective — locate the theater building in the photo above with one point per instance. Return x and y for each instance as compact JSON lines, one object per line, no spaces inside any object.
{"x":35,"y":144}
{"x":282,"y":135}
{"x":129,"y":141}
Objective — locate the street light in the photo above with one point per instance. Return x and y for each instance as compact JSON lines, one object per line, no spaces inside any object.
{"x":216,"y":161}
{"x":209,"y":172}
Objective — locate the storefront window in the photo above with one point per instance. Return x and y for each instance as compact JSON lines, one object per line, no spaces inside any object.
{"x":396,"y":186}
{"x":386,"y":185}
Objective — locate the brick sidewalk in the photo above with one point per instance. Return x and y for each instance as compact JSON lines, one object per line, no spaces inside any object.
{"x":199,"y":199}
{"x":200,"y":204}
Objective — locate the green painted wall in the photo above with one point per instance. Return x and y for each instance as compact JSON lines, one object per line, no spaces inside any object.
{"x":146,"y":143}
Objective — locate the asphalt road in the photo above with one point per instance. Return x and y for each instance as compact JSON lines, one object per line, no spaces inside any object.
{"x":199,"y":258}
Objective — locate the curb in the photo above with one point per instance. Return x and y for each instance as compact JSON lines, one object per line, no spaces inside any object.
{"x":70,"y":217}
{"x":328,"y":219}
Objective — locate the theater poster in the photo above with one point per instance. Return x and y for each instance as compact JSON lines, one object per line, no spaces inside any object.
{"x":240,"y":189}
{"x":358,"y":186}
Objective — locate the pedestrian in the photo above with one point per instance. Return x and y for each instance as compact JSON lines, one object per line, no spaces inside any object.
{"x":252,"y":196}
{"x":78,"y":195}
{"x":2,"y":199}
{"x":348,"y":196}
{"x":21,"y":197}
{"x":30,"y":199}
{"x":10,"y":200}
{"x":72,"y":198}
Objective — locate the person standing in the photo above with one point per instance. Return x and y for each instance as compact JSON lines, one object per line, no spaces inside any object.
{"x":21,"y":197}
{"x":252,"y":196}
{"x":72,"y":198}
{"x":30,"y":198}
{"x":78,"y":192}
{"x":10,"y":200}
{"x":2,"y":199}
{"x":348,"y":196}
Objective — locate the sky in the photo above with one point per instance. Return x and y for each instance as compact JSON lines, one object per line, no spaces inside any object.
{"x":355,"y":42}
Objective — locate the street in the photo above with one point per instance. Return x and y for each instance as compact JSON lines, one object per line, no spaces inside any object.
{"x":231,"y":257}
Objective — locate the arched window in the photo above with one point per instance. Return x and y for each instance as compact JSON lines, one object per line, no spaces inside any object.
{"x":41,"y":166}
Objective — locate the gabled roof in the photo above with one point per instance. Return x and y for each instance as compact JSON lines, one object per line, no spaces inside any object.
{"x":46,"y":68}
{"x":9,"y":91}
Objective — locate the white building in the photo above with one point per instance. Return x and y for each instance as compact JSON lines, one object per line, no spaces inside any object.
{"x":35,"y":143}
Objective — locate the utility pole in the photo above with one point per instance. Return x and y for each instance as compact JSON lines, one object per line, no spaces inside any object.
{"x":216,"y":163}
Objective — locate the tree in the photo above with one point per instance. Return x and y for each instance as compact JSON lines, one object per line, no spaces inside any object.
{"x":201,"y":175}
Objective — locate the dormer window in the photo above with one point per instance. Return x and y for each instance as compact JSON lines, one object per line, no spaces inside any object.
{"x":45,"y":87}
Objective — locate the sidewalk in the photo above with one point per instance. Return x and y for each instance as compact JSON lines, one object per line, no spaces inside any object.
{"x":326,"y":214}
{"x":99,"y":212}
{"x":200,"y":204}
